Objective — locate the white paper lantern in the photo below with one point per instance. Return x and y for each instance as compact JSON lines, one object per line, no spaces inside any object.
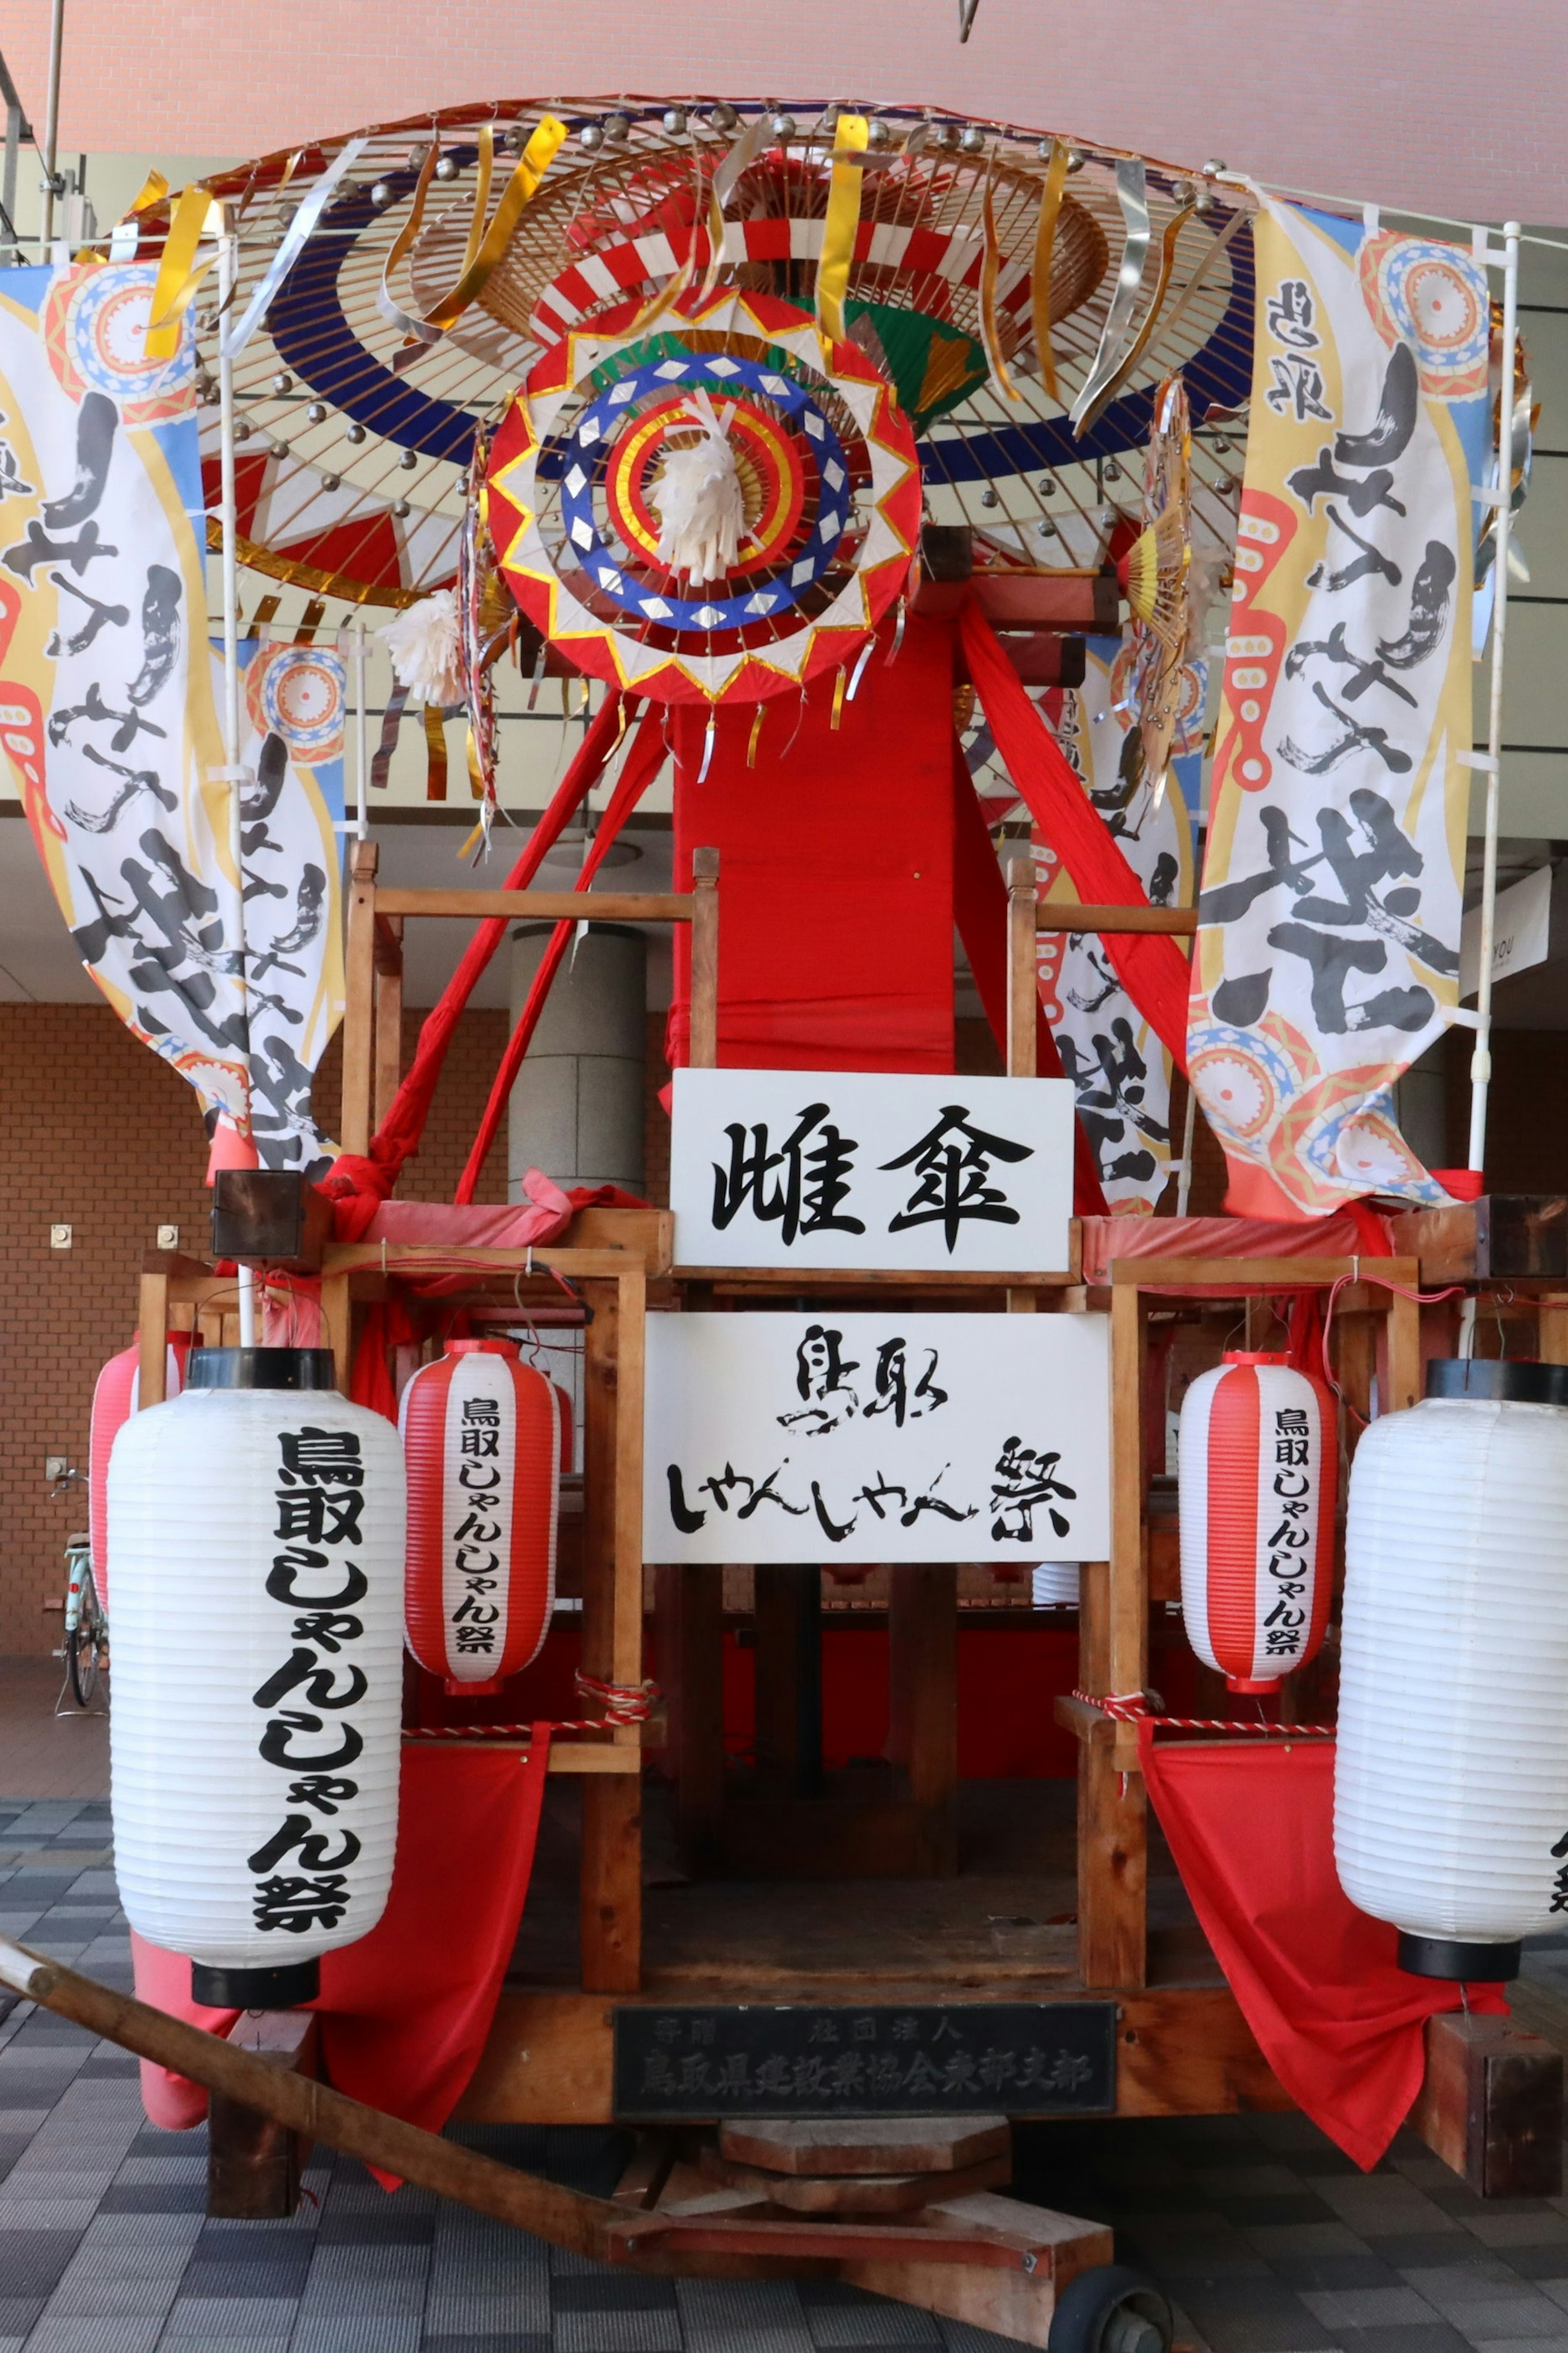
{"x":1257,"y":1487}
{"x":116,"y":1395}
{"x":256,"y":1536}
{"x":1451,"y":1774}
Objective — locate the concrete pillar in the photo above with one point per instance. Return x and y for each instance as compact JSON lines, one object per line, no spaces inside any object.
{"x":577,"y":1110}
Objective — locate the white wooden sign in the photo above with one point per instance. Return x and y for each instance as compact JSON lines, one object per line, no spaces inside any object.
{"x":885,"y":1437}
{"x":855,"y":1168}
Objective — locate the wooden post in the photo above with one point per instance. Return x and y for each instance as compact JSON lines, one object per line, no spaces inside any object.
{"x":1404,"y":1352}
{"x":1113,"y":1621}
{"x":788,"y":1618}
{"x":1553,"y":1343}
{"x":922,"y":1703}
{"x":689,"y":1620}
{"x":704,"y":1046}
{"x":254,"y":2164}
{"x":359,"y":998}
{"x":1023,"y":986}
{"x":388,"y":1012}
{"x":153,"y":1337}
{"x":610,"y":1908}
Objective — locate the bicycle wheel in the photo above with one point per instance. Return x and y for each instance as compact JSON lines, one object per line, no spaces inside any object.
{"x":86,"y":1644}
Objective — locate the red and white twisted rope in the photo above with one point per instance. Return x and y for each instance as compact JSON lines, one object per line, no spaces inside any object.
{"x":622,"y":1703}
{"x":1132,"y":1707}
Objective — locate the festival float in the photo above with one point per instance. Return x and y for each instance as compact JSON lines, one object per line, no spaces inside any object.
{"x":968,"y":519}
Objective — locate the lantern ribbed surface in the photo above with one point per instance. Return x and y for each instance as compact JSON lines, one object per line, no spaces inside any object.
{"x":116,"y":1395}
{"x":257,"y":1543}
{"x":1451,"y":1776}
{"x":1258,"y":1482}
{"x":482,"y":1439}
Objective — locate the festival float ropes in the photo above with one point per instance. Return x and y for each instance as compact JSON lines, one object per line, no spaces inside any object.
{"x":1451,"y":1776}
{"x":255,"y":1776}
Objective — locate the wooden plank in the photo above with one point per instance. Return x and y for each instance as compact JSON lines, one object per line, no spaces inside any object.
{"x":1404,"y":1352}
{"x":646,"y":1234}
{"x":1071,"y":915}
{"x":1265,"y":1275}
{"x":1023,"y":986}
{"x":153,"y":1338}
{"x":544,"y":906}
{"x":866,"y":2145}
{"x":922,"y":1670}
{"x":582,"y":1755}
{"x":610,"y":1907}
{"x":1552,"y":1340}
{"x":857,"y":2194}
{"x":388,"y":1015}
{"x":1490,"y":2106}
{"x":703,"y":1047}
{"x":1181,"y":2050}
{"x":1018,"y":2305}
{"x":254,"y":2163}
{"x":359,"y":998}
{"x":441,"y":1258}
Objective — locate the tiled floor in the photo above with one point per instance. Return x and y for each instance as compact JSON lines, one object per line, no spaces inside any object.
{"x":64,"y":1756}
{"x":1266,"y":2238}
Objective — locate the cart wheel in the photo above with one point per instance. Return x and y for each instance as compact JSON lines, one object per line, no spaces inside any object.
{"x":1111,"y":2309}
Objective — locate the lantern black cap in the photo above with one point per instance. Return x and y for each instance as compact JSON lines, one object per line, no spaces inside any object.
{"x":1498,"y":1380}
{"x":260,"y":1368}
{"x":283,"y":1988}
{"x":1450,"y":1957}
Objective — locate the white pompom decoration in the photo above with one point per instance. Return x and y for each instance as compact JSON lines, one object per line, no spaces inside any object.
{"x":424,"y":642}
{"x":698,"y":496}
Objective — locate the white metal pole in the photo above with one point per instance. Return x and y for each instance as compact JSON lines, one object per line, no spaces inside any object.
{"x":1481,"y":1059}
{"x":52,"y":125}
{"x":228,"y":270}
{"x":361,"y":736}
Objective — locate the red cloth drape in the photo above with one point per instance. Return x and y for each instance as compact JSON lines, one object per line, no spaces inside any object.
{"x":643,"y":762}
{"x":1251,"y":1828}
{"x":980,"y":912}
{"x":834,"y":874}
{"x":406,"y":2012}
{"x":357,"y":1183}
{"x":1151,"y":967}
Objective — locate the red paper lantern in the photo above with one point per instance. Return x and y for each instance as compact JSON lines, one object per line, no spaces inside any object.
{"x":1258,"y":1481}
{"x":115,"y":1397}
{"x":481,"y":1438}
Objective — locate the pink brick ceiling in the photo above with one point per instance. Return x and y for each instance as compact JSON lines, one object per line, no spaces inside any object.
{"x":1456,"y":109}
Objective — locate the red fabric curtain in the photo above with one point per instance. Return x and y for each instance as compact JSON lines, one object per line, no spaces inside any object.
{"x":358,"y":1183}
{"x":406,"y":2012}
{"x":1153,"y":969}
{"x":643,"y":764}
{"x":1251,"y":1828}
{"x":835,"y":873}
{"x":980,"y":912}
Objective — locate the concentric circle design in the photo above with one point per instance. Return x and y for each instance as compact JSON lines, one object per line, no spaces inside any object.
{"x":95,"y":330}
{"x":828,"y":474}
{"x":299,"y":692}
{"x":1244,"y":1079}
{"x":1435,"y":298}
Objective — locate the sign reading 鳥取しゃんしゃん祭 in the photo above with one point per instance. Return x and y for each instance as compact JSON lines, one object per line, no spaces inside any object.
{"x":885,"y":1437}
{"x":855,"y":1168}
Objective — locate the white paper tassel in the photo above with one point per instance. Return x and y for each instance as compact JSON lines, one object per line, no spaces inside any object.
{"x":423,"y":644}
{"x":702,"y":509}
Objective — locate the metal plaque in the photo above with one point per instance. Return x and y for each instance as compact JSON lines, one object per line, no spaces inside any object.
{"x":1011,"y":2058}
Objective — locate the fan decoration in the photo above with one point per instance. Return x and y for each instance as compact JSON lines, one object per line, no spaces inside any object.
{"x":814,"y":499}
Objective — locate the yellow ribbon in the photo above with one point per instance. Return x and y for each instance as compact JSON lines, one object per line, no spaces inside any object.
{"x":850,"y":140}
{"x":435,"y":755}
{"x":989,"y":268}
{"x":480,"y":260}
{"x":179,"y":273}
{"x":1045,"y":253}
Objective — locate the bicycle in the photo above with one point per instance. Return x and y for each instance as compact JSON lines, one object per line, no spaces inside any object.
{"x":86,"y":1647}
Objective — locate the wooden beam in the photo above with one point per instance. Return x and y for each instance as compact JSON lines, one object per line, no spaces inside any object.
{"x":153,"y":1337}
{"x":1070,"y":915}
{"x":704,"y":1043}
{"x":1022,"y":984}
{"x":544,"y":906}
{"x":254,"y":2163}
{"x":388,"y":1014}
{"x":359,"y":998}
{"x":689,"y":1626}
{"x":1491,"y":2105}
{"x":610,"y":1895}
{"x":923,"y":1710}
{"x":787,"y":1621}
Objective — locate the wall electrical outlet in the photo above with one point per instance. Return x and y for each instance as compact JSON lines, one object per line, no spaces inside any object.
{"x":169,"y":1238}
{"x":60,"y":1237}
